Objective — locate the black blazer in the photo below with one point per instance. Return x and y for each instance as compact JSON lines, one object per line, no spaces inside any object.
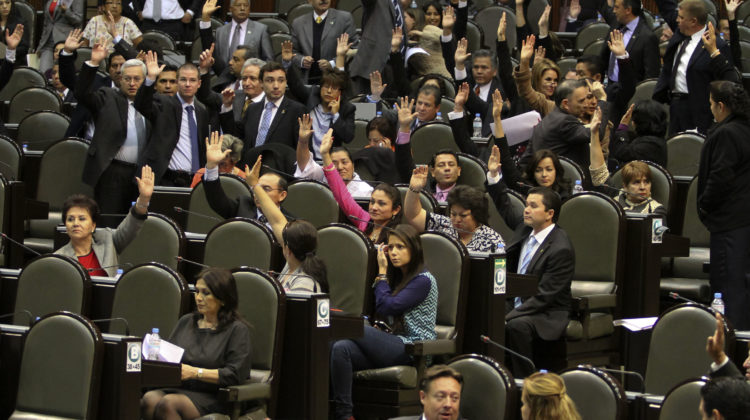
{"x":562,"y":133}
{"x":284,"y":127}
{"x":242,"y":206}
{"x":475,"y":105}
{"x":729,"y":370}
{"x":165,"y":113}
{"x":109,"y":108}
{"x":643,"y":49}
{"x":6,"y":70}
{"x":80,"y":115}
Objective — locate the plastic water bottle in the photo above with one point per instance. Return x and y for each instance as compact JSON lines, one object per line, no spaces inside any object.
{"x":154,"y":345}
{"x":717,"y":304}
{"x":25,"y":148}
{"x":599,"y":17}
{"x":477,"y":125}
{"x":379,"y":114}
{"x":500,"y":248}
{"x":119,"y":274}
{"x":721,"y":35}
{"x":578,"y":188}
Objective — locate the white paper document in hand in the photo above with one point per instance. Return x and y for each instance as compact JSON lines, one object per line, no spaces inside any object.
{"x":168,"y":352}
{"x":519,"y":128}
{"x":636,"y":324}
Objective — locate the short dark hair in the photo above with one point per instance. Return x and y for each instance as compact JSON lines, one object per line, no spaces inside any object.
{"x":729,"y":396}
{"x":650,"y":118}
{"x":83,"y":201}
{"x":593,"y":64}
{"x":733,"y":96}
{"x":111,"y":57}
{"x":430,"y":90}
{"x":168,"y":67}
{"x":485,"y":53}
{"x":249,"y":52}
{"x":336,"y":78}
{"x":550,"y":199}
{"x":341,"y":149}
{"x":432,"y":76}
{"x":270,"y":67}
{"x":384,"y":126}
{"x":282,"y":183}
{"x":633,"y":5}
{"x":472,"y":199}
{"x":188,"y":66}
{"x":696,"y":9}
{"x":437,"y":372}
{"x":444,"y":152}
{"x":223,"y":286}
{"x":567,"y":87}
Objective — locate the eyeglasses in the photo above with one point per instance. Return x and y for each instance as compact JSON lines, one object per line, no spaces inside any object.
{"x":128,"y":79}
{"x":268,"y":188}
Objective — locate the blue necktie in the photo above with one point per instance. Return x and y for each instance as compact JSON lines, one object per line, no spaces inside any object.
{"x":525,"y":260}
{"x":265,"y":124}
{"x":193,"y":129}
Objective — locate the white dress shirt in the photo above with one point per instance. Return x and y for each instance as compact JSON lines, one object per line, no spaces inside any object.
{"x":680,"y":79}
{"x":170,"y":10}
{"x":182,"y":156}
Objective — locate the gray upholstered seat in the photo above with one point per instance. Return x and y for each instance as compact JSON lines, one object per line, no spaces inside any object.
{"x":573,"y":171}
{"x":233,"y":187}
{"x":685,"y":274}
{"x":240,"y":242}
{"x":661,"y":184}
{"x":428,"y":201}
{"x":304,"y":192}
{"x":473,"y":171}
{"x":484,"y":376}
{"x":488,"y":19}
{"x":684,"y":151}
{"x":497,"y":222}
{"x":147,"y":296}
{"x":41,"y":129}
{"x":163,"y":39}
{"x":60,"y":369}
{"x":596,"y":394}
{"x":678,"y":347}
{"x":428,"y":139}
{"x":591,"y":33}
{"x":60,"y":175}
{"x":22,"y":78}
{"x":392,"y":391}
{"x":360,"y":136}
{"x":349,"y":282}
{"x":159,"y":240}
{"x":10,"y":156}
{"x":474,"y":36}
{"x":30,"y":100}
{"x":681,"y":402}
{"x":643,"y":91}
{"x":51,"y":283}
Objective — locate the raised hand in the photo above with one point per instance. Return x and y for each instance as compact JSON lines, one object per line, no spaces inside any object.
{"x":709,"y":39}
{"x":575,"y":9}
{"x":497,"y":105}
{"x":208,"y":9}
{"x":145,"y":183}
{"x":418,"y":178}
{"x":527,"y":50}
{"x":501,"y":27}
{"x":493,"y":163}
{"x":597,"y":88}
{"x":12,"y":41}
{"x":596,"y":121}
{"x":214,"y":154}
{"x":449,"y":20}
{"x":462,"y":95}
{"x":206,"y":60}
{"x":73,"y":41}
{"x":305,"y":127}
{"x":544,"y":22}
{"x":539,"y":54}
{"x":109,"y":22}
{"x":227,"y":96}
{"x":326,"y":143}
{"x":99,"y":51}
{"x":396,"y":38}
{"x":625,"y":120}
{"x":335,"y":104}
{"x":286,"y":51}
{"x":343,"y":44}
{"x":461,"y":55}
{"x":405,"y":116}
{"x":152,"y":65}
{"x":732,"y":6}
{"x":715,"y":343}
{"x":383,"y":258}
{"x":253,"y":175}
{"x":616,"y":43}
{"x":376,"y":84}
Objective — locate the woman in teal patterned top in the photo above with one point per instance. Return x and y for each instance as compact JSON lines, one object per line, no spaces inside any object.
{"x":406,"y":294}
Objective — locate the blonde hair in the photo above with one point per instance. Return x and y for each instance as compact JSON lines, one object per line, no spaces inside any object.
{"x":537,"y":71}
{"x":547,"y":398}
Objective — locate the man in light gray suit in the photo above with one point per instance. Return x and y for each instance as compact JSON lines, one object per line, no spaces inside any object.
{"x":65,"y":16}
{"x":240,"y":31}
{"x":314,"y":37}
{"x":379,"y":18}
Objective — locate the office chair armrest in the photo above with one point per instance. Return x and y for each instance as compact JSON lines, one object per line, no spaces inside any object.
{"x":431,"y":347}
{"x":593,"y":302}
{"x":245,"y":392}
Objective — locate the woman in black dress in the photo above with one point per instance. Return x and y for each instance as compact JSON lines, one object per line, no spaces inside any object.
{"x":217,"y":352}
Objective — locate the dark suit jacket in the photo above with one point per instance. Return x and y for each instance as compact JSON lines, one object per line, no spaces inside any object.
{"x":284,"y":127}
{"x":378,"y":18}
{"x":6,"y":70}
{"x":562,"y":133}
{"x":165,"y":113}
{"x":242,"y":206}
{"x":553,"y":263}
{"x":256,"y":37}
{"x":343,"y":128}
{"x":337,"y":22}
{"x":213,"y":101}
{"x":475,"y":104}
{"x":109,"y":108}
{"x":729,"y":370}
{"x":643,"y":49}
{"x":81,"y":115}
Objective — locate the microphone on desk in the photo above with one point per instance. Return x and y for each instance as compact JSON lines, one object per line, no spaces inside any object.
{"x":195,"y":213}
{"x":677,"y":296}
{"x":15,"y":242}
{"x":488,"y":340}
{"x":22,"y":311}
{"x":629,"y":373}
{"x":10,"y":175}
{"x":181,"y":259}
{"x":124,"y":265}
{"x":122,"y":320}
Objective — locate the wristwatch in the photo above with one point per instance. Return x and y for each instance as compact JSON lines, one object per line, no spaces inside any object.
{"x":200,"y":373}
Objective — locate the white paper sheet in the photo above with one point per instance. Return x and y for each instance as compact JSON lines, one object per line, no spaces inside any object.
{"x":519,"y":128}
{"x":636,"y":324}
{"x":168,"y":352}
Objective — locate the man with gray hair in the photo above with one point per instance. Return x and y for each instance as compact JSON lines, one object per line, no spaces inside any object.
{"x":121,"y":133}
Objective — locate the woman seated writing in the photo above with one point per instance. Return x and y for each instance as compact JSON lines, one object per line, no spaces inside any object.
{"x":98,"y":250}
{"x":404,"y":292}
{"x":384,"y":210}
{"x":304,"y":271}
{"x":217,"y":352}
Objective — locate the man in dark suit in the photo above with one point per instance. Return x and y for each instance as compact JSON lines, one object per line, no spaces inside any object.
{"x":482,"y":82}
{"x":725,"y":399}
{"x":440,"y":394}
{"x":315,"y":35}
{"x":640,"y":42}
{"x":272,"y":120}
{"x":561,"y":130}
{"x":121,"y":134}
{"x":230,"y":76}
{"x":240,"y":31}
{"x":540,"y":248}
{"x":693,"y":59}
{"x":722,"y":366}
{"x":175,"y":151}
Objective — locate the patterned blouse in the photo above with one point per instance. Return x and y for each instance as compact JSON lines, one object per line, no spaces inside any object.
{"x":96,"y":28}
{"x":485,"y":239}
{"x":417,"y":302}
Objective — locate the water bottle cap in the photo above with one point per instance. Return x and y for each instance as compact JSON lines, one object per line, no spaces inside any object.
{"x":119,"y":271}
{"x":476,"y":115}
{"x":717,"y":295}
{"x":578,"y":182}
{"x":154,"y":331}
